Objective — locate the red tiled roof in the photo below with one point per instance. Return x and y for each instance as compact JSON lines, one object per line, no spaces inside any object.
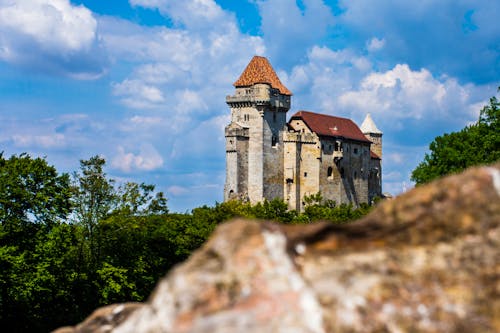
{"x":326,"y":125}
{"x":259,"y":70}
{"x":374,"y":156}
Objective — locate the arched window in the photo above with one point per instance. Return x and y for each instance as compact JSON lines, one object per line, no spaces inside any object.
{"x":329,"y":172}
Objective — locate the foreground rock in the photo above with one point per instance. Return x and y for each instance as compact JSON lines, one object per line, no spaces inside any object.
{"x":428,"y":261}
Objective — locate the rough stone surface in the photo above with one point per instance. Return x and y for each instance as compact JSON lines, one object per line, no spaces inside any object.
{"x":428,"y":261}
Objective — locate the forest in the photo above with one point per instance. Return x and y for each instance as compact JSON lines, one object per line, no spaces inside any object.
{"x":72,"y":243}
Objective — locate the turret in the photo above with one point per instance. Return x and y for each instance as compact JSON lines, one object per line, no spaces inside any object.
{"x":373,"y":134}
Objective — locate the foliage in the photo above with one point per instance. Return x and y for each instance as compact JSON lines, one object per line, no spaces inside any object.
{"x":473,"y":145}
{"x":31,"y":190}
{"x":68,"y":246}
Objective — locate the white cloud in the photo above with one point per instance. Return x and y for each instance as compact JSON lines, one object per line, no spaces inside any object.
{"x":192,"y":14}
{"x":51,"y":23}
{"x":52,"y":36}
{"x":375,"y":44}
{"x":403,"y":93}
{"x":138,"y":95}
{"x":41,"y":141}
{"x":147,"y":159}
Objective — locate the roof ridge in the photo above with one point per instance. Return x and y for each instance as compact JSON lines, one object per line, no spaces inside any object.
{"x":323,"y":114}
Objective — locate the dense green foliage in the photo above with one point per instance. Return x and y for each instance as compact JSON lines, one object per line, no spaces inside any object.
{"x":71,"y":244}
{"x":474,"y":145}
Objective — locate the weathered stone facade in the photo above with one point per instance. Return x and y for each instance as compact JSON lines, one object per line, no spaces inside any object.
{"x":268,"y":158}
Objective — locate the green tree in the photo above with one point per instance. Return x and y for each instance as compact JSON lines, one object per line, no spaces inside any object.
{"x":32,"y":191}
{"x":473,"y":145}
{"x":34,"y":245}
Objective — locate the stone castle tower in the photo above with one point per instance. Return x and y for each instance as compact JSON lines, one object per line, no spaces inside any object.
{"x":268,"y":157}
{"x":254,"y":167}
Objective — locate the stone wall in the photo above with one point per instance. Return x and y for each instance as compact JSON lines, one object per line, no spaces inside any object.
{"x":262,"y":111}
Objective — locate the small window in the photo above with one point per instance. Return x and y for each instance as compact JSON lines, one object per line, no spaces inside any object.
{"x":355,"y":175}
{"x":305,"y":174}
{"x":274,"y":141}
{"x":342,"y":173}
{"x":355,"y":151}
{"x":330,"y":172}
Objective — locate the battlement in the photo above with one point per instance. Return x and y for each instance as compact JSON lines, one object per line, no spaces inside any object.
{"x":258,"y":94}
{"x":307,"y":138}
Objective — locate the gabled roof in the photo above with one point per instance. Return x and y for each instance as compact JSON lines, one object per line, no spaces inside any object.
{"x":326,"y":125}
{"x":259,"y":70}
{"x":368,"y":126}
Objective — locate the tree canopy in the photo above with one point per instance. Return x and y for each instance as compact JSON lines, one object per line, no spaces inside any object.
{"x":453,"y":152}
{"x":71,"y":244}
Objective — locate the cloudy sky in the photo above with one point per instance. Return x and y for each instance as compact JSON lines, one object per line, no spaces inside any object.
{"x":143,"y":82}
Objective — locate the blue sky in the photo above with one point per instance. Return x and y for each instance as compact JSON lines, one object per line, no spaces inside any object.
{"x":143,"y":82}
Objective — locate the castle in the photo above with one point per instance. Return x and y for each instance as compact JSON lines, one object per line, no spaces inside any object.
{"x":268,"y":157}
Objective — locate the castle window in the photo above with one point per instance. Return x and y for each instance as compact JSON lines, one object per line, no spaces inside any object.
{"x":330,"y":172}
{"x":305,"y":174}
{"x":274,"y":141}
{"x":342,"y":173}
{"x":247,"y":117}
{"x":355,"y":151}
{"x":355,"y":175}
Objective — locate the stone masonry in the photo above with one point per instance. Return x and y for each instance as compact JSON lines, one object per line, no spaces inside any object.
{"x":268,"y":158}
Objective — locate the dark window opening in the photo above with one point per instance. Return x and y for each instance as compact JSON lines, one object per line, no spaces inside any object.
{"x":274,"y":141}
{"x":355,"y":150}
{"x":330,"y":172}
{"x":289,"y":181}
{"x":342,"y":174}
{"x":305,"y":174}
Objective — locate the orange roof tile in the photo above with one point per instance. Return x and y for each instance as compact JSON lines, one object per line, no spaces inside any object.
{"x":259,"y":70}
{"x":326,"y":125}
